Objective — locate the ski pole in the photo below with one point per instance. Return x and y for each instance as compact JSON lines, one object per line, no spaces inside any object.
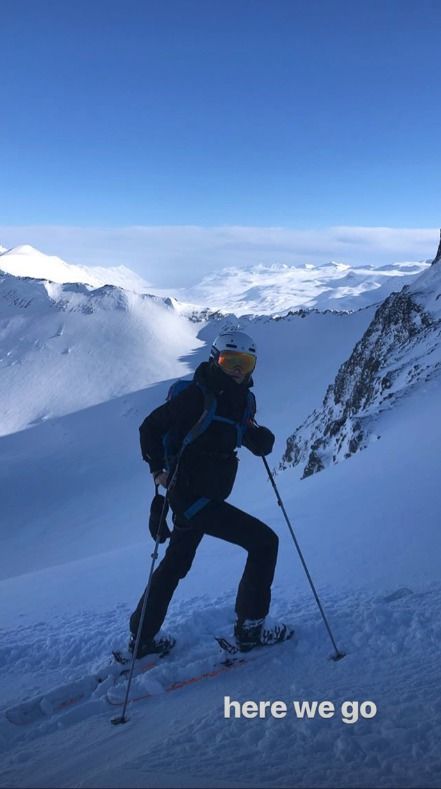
{"x":338,"y":655}
{"x":122,"y":718}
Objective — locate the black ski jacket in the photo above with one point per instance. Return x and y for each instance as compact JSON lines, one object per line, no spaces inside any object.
{"x":208,"y":466}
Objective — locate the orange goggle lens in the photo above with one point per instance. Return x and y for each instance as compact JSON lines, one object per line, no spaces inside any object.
{"x":232,"y":360}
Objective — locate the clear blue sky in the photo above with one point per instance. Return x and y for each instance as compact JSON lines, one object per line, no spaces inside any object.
{"x":210,"y":112}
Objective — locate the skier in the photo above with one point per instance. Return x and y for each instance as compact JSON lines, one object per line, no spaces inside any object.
{"x":198,"y":484}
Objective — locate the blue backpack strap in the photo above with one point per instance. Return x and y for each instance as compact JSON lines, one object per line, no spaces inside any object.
{"x":237,"y":425}
{"x":210,"y":405}
{"x":209,"y":415}
{"x":250,"y":411}
{"x":205,"y":419}
{"x":171,"y":449}
{"x":177,"y":388}
{"x":248,"y":414}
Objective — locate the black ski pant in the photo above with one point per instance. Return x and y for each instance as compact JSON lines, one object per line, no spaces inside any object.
{"x":226,"y":522}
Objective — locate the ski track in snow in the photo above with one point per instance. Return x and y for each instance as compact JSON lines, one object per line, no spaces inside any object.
{"x":387,"y":640}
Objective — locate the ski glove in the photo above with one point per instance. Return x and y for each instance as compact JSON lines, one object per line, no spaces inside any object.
{"x":156,"y":508}
{"x":259,"y":440}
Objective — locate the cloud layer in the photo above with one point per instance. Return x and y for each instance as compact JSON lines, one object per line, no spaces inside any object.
{"x":179,"y":256}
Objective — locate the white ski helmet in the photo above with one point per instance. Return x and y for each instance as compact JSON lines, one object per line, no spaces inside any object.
{"x":233,"y":342}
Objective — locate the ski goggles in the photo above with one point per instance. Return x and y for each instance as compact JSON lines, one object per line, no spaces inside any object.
{"x":233,"y":360}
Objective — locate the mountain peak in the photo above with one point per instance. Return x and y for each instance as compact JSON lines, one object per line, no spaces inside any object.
{"x":23,"y":249}
{"x":27,"y":261}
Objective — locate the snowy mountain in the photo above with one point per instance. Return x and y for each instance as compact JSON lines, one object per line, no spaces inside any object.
{"x":399,"y":353}
{"x":278,"y":288}
{"x":95,"y":342}
{"x":260,"y":289}
{"x":67,"y":347}
{"x":26,"y":261}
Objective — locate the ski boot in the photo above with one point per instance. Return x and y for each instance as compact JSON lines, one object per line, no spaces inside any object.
{"x":251,"y":633}
{"x":154,"y":646}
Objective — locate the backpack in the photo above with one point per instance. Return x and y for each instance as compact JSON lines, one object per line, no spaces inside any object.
{"x":173,"y":449}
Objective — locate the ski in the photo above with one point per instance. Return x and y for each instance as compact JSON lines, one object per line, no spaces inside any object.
{"x":64,"y":697}
{"x":109,"y":683}
{"x":233,"y":658}
{"x":117,"y":700}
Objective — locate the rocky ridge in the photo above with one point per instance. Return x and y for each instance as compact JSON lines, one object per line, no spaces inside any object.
{"x":400,"y":350}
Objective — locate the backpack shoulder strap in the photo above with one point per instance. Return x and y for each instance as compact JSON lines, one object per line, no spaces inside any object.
{"x":250,"y":408}
{"x":177,"y":388}
{"x":209,"y":413}
{"x":205,"y":419}
{"x":248,"y":416}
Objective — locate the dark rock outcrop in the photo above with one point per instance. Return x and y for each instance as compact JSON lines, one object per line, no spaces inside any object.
{"x":400,"y":350}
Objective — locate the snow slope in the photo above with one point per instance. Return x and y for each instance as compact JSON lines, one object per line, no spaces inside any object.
{"x":75,"y":556}
{"x":375,"y":560}
{"x":92,"y":344}
{"x":90,"y":459}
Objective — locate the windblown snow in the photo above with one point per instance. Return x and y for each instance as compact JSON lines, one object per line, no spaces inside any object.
{"x":82,"y":364}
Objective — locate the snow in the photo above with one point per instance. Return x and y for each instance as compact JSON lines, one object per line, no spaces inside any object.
{"x":26,"y":261}
{"x":260,"y":289}
{"x":278,"y":288}
{"x":426,"y":290}
{"x":91,"y":344}
{"x":400,"y":352}
{"x":80,"y":489}
{"x":75,"y":555}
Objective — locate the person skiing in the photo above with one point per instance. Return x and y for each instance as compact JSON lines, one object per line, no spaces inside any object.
{"x":198,"y":479}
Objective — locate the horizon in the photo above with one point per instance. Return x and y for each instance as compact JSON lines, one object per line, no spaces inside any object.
{"x":179,"y":257}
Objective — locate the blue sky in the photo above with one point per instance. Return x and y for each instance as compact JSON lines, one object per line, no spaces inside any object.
{"x":254,"y":113}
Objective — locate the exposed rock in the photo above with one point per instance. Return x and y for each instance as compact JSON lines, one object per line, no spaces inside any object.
{"x":400,"y":350}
